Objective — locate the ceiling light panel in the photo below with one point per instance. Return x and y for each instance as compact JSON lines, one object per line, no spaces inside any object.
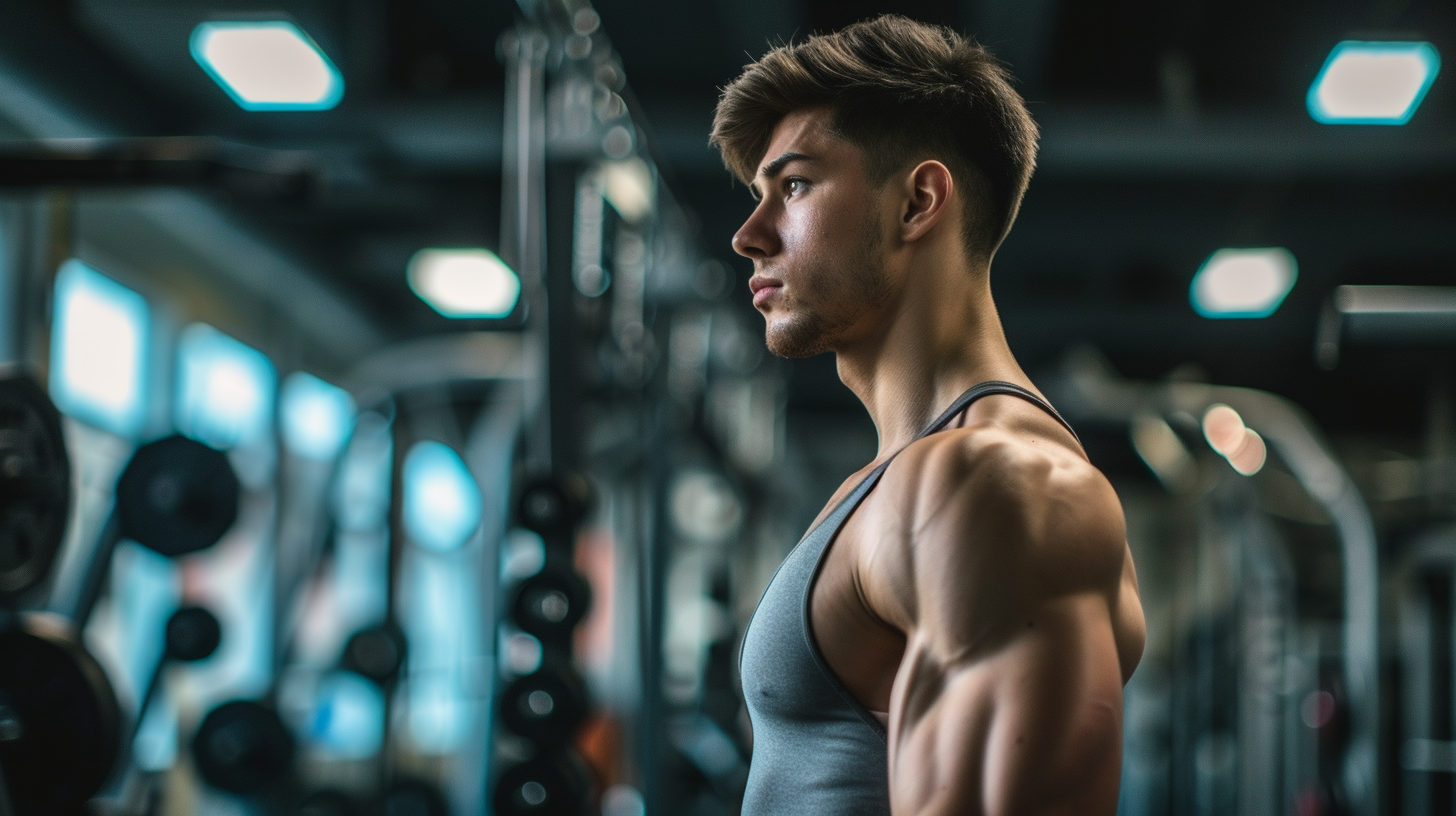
{"x":1373,"y":83}
{"x":1243,"y":282}
{"x":268,"y":65}
{"x":464,"y":282}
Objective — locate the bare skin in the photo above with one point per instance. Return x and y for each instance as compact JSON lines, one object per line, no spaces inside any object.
{"x":982,"y":600}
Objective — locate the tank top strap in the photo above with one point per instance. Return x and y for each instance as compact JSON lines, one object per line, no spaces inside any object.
{"x":986,"y":389}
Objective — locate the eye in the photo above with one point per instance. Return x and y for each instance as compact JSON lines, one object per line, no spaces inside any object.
{"x":794,"y":185}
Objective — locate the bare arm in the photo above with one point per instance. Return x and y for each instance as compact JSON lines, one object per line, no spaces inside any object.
{"x":1008,"y":701}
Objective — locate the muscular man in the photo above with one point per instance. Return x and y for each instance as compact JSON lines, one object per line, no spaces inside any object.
{"x":953,"y":634}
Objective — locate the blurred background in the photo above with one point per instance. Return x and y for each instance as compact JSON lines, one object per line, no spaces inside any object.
{"x":386,"y":428}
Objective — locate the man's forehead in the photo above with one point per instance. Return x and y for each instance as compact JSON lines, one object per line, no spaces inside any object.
{"x":809,"y":128}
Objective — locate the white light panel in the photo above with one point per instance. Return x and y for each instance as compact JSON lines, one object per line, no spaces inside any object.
{"x":464,"y":282}
{"x":442,"y":503}
{"x":267,"y":65}
{"x":315,"y":416}
{"x":99,"y":350}
{"x":1243,"y":282}
{"x":1373,"y":83}
{"x":225,"y":389}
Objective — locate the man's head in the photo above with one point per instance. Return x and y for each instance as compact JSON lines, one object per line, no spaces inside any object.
{"x":859,"y":142}
{"x":900,"y":91}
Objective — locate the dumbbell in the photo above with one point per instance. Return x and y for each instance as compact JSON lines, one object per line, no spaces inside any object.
{"x":552,"y":506}
{"x":376,"y":652}
{"x":35,"y":483}
{"x":192,"y":634}
{"x":546,"y":706}
{"x":243,"y":747}
{"x":176,"y":496}
{"x":554,"y":784}
{"x":552,"y":602}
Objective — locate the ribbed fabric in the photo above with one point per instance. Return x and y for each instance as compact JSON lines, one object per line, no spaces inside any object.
{"x":816,"y":750}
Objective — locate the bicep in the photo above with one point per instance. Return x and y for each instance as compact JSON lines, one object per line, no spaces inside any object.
{"x":1031,"y":727}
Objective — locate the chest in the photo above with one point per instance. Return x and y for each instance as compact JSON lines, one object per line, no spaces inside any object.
{"x":861,"y":649}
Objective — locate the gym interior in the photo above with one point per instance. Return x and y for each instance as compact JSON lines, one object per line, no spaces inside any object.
{"x":386,"y":427}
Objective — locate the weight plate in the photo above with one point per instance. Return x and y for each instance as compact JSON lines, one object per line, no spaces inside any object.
{"x":243,"y":747}
{"x":551,"y":603}
{"x":551,"y":786}
{"x":35,"y":483}
{"x":177,"y":496}
{"x":546,"y":706}
{"x":553,"y":506}
{"x":60,"y":727}
{"x":193,"y":633}
{"x":376,"y":652}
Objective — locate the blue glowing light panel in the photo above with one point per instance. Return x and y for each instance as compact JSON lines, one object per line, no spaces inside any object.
{"x":225,"y":389}
{"x":1373,"y":83}
{"x":267,"y":65}
{"x":442,"y":503}
{"x":99,"y":350}
{"x":316,"y":417}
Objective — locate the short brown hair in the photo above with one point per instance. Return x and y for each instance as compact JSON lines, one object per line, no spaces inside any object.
{"x":901,"y":91}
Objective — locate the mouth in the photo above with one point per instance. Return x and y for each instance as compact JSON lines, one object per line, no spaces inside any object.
{"x":763,"y":288}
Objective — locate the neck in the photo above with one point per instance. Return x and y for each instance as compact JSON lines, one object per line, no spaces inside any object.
{"x":940,"y":336}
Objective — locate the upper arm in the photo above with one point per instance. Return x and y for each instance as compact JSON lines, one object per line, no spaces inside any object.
{"x":1009,"y":697}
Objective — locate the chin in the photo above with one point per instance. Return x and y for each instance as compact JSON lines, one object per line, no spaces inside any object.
{"x":796,"y":338}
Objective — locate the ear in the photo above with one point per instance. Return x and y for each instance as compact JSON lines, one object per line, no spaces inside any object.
{"x":928,"y":189}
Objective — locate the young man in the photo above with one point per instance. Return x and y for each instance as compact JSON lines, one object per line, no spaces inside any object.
{"x":962,"y":646}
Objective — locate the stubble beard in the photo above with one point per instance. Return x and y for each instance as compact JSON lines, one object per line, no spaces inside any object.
{"x":861,"y":278}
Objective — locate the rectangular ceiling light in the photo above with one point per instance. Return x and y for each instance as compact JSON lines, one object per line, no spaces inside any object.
{"x":224,"y":388}
{"x":1243,"y":282}
{"x":464,"y":282}
{"x":99,"y":349}
{"x":1373,"y":83}
{"x":267,"y":66}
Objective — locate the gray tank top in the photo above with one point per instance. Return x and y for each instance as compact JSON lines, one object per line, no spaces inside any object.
{"x":816,"y":750}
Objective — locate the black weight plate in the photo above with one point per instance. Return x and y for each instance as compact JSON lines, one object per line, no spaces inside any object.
{"x":551,"y":603}
{"x":177,"y":496}
{"x":61,"y":714}
{"x":377,"y":652}
{"x":546,"y":706}
{"x":35,"y":483}
{"x":553,"y":506}
{"x":243,"y":747}
{"x":551,"y":786}
{"x":193,"y":633}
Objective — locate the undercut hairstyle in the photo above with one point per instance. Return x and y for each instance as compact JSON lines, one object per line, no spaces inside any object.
{"x":903,"y":92}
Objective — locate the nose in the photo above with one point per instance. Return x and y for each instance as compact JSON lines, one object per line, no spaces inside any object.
{"x":757,"y":238}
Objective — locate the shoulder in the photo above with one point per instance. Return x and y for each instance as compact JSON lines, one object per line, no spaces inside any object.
{"x":1023,"y":501}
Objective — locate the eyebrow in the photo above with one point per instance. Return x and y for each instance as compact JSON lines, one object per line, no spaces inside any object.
{"x":776,"y":166}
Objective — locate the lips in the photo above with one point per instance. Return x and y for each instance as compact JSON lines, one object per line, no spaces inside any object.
{"x":763,"y":288}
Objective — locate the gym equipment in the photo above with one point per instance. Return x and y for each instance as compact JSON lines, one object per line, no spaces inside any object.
{"x":60,"y":726}
{"x":553,"y":785}
{"x":35,"y":483}
{"x":377,"y":653}
{"x":551,"y":603}
{"x":410,"y":797}
{"x":327,"y":802}
{"x":546,"y":706}
{"x":176,"y":496}
{"x":243,"y":747}
{"x":193,"y":633}
{"x":553,"y":506}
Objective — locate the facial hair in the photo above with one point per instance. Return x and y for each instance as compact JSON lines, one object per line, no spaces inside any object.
{"x":859,"y":275}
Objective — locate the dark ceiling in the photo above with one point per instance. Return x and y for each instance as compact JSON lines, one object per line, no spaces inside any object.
{"x":1171,"y":129}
